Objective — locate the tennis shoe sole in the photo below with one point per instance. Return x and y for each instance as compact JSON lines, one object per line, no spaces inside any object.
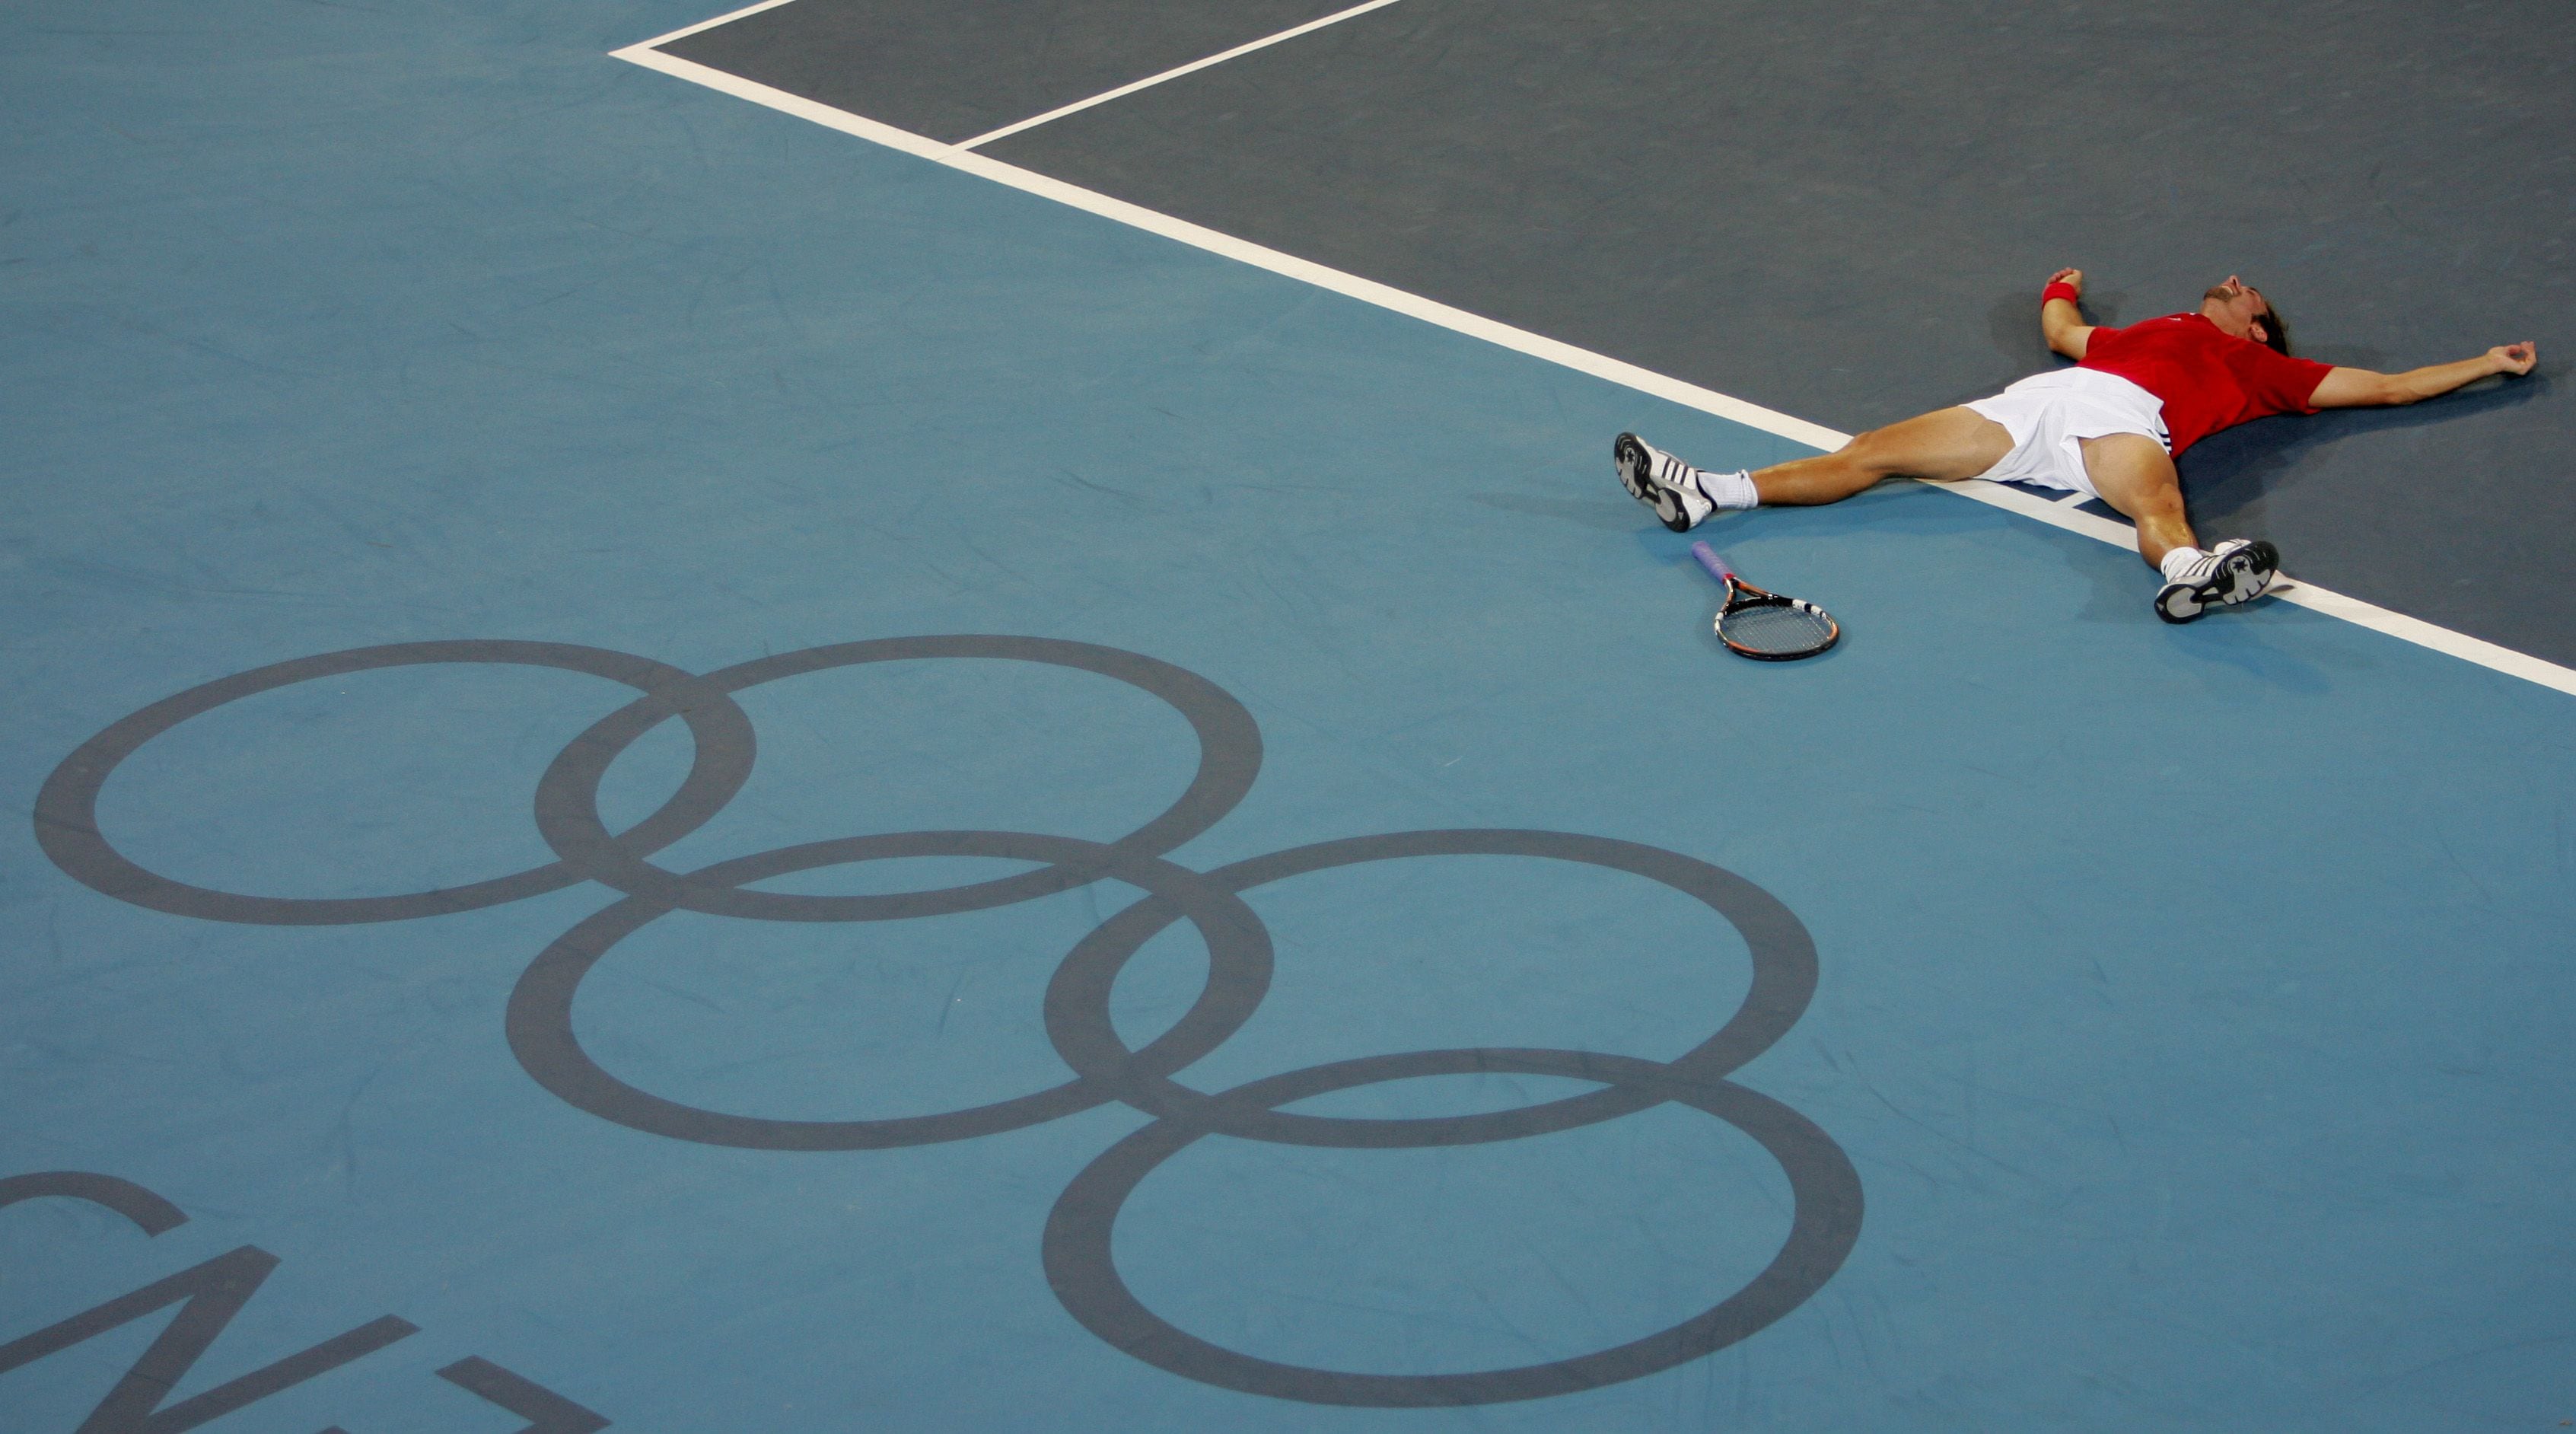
{"x":1638,"y":465}
{"x":2242,"y":572}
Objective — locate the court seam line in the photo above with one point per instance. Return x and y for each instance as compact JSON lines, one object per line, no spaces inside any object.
{"x":2056,"y":514}
{"x":1033,"y":121}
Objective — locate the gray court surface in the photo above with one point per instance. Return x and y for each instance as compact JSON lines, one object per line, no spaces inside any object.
{"x":1843,"y":211}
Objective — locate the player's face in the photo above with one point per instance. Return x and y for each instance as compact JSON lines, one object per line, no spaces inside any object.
{"x":2235,"y":304}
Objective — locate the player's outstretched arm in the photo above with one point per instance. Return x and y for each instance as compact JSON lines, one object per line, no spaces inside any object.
{"x":2361,"y":388}
{"x":2060,"y":322}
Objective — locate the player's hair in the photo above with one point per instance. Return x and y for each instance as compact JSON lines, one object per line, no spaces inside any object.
{"x":2276,"y":333}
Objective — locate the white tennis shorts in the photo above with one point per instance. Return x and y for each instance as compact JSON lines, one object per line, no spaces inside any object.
{"x":2050,"y":415}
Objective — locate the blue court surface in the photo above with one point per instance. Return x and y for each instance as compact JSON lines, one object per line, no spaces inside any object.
{"x":682,"y":773}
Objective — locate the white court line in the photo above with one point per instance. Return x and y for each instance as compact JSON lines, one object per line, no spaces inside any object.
{"x":1369,"y":291}
{"x":727,"y":18}
{"x":1033,"y":121}
{"x":1289,"y":265}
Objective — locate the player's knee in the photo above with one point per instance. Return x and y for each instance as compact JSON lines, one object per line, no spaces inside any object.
{"x":2160,"y":500}
{"x":1871,"y":450}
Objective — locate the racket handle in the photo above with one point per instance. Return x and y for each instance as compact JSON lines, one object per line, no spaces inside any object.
{"x":1716,"y":565}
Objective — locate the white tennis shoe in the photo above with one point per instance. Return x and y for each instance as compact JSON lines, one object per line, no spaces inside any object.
{"x":2238,"y":570}
{"x":1661,"y":482}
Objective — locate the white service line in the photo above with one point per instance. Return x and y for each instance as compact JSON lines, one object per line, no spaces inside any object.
{"x":727,"y":18}
{"x":2056,"y":513}
{"x":1033,"y":121}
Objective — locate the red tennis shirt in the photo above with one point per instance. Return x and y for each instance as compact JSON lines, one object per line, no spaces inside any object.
{"x":2208,"y":379}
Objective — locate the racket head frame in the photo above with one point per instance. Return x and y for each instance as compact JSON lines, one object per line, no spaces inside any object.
{"x":1742,"y":596}
{"x":1747,"y":598}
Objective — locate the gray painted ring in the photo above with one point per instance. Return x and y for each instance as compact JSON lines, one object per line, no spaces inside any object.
{"x":568,"y":794}
{"x":1824,"y":1225}
{"x":540,"y":1024}
{"x":1784,"y":980}
{"x":67,"y":806}
{"x":1079,"y":1253}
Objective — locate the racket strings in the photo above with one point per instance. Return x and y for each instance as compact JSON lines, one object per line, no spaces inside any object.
{"x":1783,"y":627}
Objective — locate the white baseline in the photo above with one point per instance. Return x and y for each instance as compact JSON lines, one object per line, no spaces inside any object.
{"x":1369,"y":291}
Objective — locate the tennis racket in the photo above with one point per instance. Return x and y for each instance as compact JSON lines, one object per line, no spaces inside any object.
{"x":1766,"y":625}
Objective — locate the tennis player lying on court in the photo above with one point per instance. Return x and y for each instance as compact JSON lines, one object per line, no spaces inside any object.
{"x":2111,"y":427}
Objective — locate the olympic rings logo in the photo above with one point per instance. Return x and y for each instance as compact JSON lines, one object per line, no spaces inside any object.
{"x":1077,"y":1252}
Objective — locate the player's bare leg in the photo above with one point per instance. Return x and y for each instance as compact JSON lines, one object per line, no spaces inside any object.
{"x":2135,"y":475}
{"x":1949,"y":443}
{"x":1944,"y":445}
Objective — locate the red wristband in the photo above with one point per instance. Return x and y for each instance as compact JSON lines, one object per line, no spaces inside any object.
{"x":2059,"y":289}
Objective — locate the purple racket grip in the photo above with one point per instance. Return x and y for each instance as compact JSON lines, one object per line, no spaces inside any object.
{"x":1709,"y":559}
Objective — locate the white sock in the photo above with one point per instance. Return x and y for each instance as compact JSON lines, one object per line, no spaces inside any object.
{"x":2179,"y":560}
{"x":1729,"y":490}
